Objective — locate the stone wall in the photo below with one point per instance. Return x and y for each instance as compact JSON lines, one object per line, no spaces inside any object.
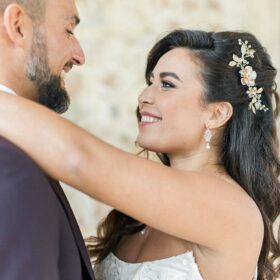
{"x":116,"y":36}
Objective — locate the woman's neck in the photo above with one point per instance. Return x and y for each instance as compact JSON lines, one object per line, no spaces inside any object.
{"x":203,"y":161}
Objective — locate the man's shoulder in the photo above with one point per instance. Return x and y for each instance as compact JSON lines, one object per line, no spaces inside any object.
{"x":21,"y":178}
{"x":9,"y":147}
{"x":10,"y":154}
{"x":17,"y":168}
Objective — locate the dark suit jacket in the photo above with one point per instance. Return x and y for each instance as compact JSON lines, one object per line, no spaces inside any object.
{"x":39,"y":236}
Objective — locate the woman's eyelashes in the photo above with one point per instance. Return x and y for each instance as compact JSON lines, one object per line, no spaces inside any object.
{"x":163,"y":84}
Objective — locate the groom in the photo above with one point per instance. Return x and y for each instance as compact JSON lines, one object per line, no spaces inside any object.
{"x":39,"y":236}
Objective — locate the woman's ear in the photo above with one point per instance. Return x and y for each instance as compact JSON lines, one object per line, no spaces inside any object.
{"x":221,"y":112}
{"x":17,"y":24}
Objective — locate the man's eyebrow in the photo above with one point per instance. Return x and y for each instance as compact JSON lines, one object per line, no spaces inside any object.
{"x":75,"y":18}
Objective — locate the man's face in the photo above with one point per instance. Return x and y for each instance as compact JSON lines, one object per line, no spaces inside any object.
{"x":54,"y":51}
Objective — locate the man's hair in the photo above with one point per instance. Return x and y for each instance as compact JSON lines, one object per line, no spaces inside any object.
{"x":34,"y":8}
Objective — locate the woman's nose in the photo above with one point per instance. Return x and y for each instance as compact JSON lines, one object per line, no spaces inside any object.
{"x":146,"y":97}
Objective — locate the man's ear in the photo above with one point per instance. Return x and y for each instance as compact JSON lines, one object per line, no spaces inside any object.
{"x":221,"y":112}
{"x":17,"y":24}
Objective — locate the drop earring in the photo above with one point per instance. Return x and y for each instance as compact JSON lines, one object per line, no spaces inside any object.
{"x":207,"y":137}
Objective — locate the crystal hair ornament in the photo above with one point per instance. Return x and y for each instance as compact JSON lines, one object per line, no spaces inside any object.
{"x":248,"y":76}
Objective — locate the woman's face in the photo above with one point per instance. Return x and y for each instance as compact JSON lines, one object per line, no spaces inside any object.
{"x":171,"y":107}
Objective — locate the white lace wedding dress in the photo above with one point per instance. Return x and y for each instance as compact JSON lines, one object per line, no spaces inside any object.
{"x":181,"y":267}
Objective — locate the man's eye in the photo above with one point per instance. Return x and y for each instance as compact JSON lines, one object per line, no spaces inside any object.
{"x":69,"y":32}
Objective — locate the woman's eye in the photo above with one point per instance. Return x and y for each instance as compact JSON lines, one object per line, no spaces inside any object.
{"x":166,"y":84}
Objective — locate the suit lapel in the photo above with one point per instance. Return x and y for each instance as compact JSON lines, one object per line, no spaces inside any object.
{"x":73,"y":223}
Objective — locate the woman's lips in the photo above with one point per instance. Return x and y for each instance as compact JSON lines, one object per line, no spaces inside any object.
{"x":149,"y":118}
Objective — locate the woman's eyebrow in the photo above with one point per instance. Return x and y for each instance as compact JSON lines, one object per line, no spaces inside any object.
{"x":172,"y":74}
{"x":165,"y":74}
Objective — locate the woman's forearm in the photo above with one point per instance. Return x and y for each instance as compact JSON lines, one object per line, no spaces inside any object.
{"x":41,"y":139}
{"x":69,"y":153}
{"x":72,"y":155}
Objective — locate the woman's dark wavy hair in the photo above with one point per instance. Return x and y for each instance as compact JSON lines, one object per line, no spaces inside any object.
{"x":248,"y":146}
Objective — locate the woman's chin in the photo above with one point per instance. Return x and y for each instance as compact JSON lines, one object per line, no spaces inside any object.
{"x":148,"y":145}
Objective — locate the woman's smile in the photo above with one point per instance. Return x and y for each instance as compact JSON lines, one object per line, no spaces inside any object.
{"x":148,"y":119}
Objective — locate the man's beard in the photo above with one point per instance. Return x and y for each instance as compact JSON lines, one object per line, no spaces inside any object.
{"x":50,"y":92}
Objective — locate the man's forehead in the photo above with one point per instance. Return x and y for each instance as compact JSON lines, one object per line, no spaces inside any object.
{"x":66,"y":9}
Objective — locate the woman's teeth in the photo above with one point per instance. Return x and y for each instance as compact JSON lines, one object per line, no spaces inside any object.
{"x":149,"y":119}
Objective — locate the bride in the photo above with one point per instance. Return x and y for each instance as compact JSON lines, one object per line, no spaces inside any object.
{"x":207,"y":212}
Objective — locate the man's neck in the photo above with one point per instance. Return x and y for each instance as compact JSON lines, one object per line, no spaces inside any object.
{"x":7,"y":89}
{"x":23,"y":90}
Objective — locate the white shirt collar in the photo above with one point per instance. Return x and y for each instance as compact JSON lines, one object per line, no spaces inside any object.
{"x":7,"y":90}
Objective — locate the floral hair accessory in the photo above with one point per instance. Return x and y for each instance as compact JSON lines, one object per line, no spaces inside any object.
{"x":248,"y":76}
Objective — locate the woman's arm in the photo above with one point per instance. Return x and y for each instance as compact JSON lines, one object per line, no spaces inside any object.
{"x":188,"y":205}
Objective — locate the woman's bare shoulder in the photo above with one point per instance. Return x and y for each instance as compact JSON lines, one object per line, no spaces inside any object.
{"x":239,"y":203}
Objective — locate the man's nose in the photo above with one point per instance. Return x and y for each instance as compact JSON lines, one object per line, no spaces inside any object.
{"x":78,"y":54}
